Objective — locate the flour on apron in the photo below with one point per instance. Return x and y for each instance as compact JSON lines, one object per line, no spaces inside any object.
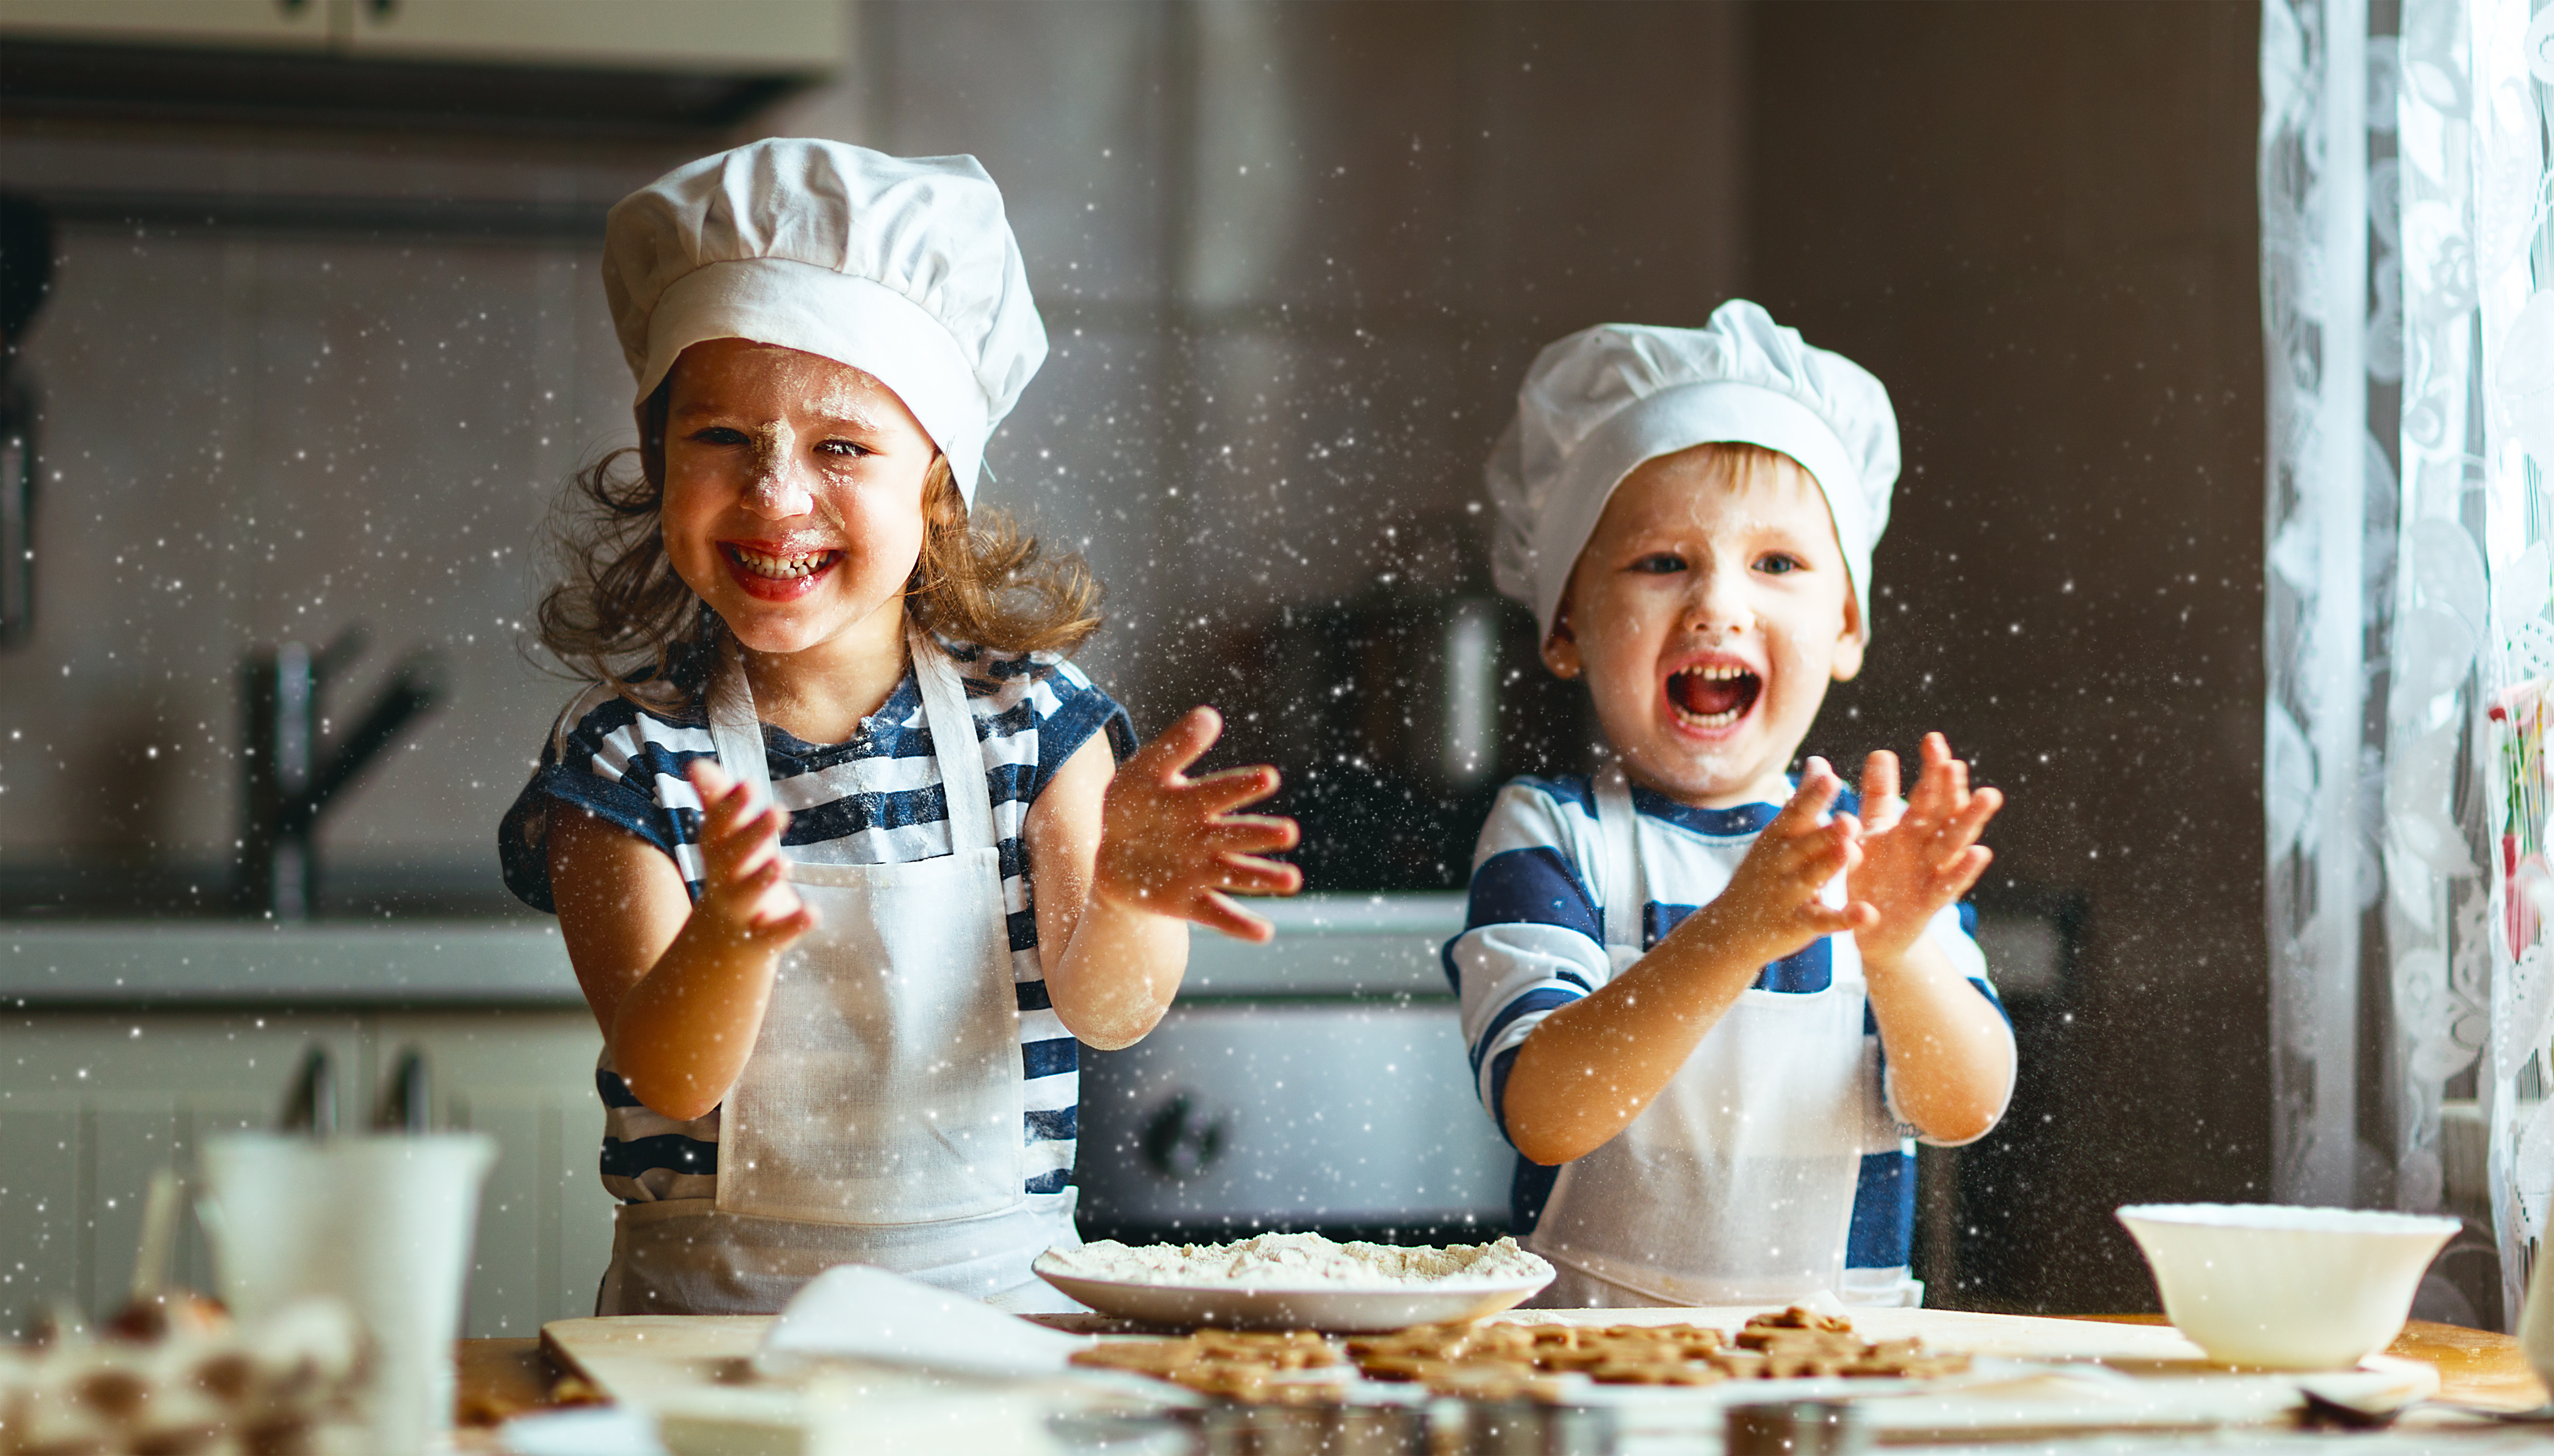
{"x":1736,"y":1184}
{"x":879,"y":1120}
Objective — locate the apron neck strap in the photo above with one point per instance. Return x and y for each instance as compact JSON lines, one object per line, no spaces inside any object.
{"x":1618,"y":824}
{"x":734,"y":727}
{"x":953,"y":738}
{"x":737,"y":731}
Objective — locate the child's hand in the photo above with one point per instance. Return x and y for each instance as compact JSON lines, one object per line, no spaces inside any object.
{"x":746,"y":897}
{"x":1918,"y":855}
{"x":1170,"y":845}
{"x":1772,"y":906}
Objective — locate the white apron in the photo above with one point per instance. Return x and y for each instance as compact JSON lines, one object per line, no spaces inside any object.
{"x":879,"y":1120}
{"x":1736,"y":1186}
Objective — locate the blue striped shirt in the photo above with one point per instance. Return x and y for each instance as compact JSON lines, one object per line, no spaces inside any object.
{"x":1533,"y":940}
{"x":875,"y":800}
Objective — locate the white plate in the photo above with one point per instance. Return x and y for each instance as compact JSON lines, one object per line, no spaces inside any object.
{"x":1259,"y":1306}
{"x":601,"y":1430}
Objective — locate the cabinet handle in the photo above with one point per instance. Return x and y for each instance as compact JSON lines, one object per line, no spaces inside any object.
{"x":292,"y":8}
{"x":382,"y":10}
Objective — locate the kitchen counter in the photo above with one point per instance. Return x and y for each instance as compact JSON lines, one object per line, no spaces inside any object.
{"x":134,"y":1038}
{"x":225,"y":963}
{"x":1326,"y":945}
{"x":502,"y":1378}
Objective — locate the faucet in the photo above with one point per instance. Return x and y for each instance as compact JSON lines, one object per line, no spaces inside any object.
{"x":293,"y":777}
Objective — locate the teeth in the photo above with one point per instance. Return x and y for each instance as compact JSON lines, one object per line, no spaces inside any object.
{"x":1715,"y":673}
{"x":780,"y":566}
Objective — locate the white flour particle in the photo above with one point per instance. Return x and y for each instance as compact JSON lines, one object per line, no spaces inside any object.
{"x":1301,"y":1261}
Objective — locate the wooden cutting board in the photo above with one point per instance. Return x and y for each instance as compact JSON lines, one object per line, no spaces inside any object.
{"x":633,"y":1357}
{"x":2112,"y":1376}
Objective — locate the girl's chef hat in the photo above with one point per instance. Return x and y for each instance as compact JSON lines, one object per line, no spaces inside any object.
{"x":1600,"y":403}
{"x":902,"y":267}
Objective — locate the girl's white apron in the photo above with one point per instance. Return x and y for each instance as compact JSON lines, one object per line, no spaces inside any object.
{"x":1736,"y":1184}
{"x":879,"y":1120}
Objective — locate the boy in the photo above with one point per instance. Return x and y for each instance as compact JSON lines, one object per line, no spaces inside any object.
{"x":1679,"y":974}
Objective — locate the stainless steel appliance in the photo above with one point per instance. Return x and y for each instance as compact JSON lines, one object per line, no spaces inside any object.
{"x":1319,"y":1081}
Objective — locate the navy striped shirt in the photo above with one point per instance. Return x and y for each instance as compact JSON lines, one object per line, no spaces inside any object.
{"x":1533,"y":940}
{"x":875,"y":800}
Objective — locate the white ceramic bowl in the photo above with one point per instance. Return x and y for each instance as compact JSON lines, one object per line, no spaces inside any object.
{"x":2286,"y":1288}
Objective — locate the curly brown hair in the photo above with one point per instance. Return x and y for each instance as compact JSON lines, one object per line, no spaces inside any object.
{"x":615,"y":612}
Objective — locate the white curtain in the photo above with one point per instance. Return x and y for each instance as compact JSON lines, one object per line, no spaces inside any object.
{"x":2409,"y":343}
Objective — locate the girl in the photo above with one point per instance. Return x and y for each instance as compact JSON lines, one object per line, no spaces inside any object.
{"x":845,"y":867}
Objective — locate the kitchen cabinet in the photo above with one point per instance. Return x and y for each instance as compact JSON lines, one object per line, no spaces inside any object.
{"x":92,"y":1102}
{"x":780,"y":37}
{"x":273,"y":24}
{"x":763,"y":36}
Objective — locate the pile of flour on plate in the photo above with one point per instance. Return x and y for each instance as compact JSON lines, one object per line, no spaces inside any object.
{"x":1300,"y":1260}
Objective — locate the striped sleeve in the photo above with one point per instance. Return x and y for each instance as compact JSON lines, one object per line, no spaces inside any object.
{"x":647,"y":1155}
{"x":1067,"y":707}
{"x":618,"y":762}
{"x":1532,"y":940}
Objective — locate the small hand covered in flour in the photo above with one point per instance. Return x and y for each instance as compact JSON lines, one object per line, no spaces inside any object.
{"x":1772,"y":903}
{"x":1171,"y":844}
{"x":1918,"y":854}
{"x":746,"y":897}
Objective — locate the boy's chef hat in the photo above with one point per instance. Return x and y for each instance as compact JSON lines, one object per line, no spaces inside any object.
{"x":1600,"y":403}
{"x":902,"y":267}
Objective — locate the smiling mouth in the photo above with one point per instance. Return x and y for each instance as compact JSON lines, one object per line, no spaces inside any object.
{"x":777,"y":568}
{"x":1712,"y":697}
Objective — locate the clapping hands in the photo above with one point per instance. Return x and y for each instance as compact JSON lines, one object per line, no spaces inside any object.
{"x":745,"y":896}
{"x":1171,"y":844}
{"x":1918,"y":853}
{"x":1775,"y":903}
{"x":1902,"y":859}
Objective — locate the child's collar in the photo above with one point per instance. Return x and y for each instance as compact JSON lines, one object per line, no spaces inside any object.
{"x":1736,"y":821}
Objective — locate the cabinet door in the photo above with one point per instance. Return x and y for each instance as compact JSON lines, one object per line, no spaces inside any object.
{"x":92,"y":1106}
{"x":781,"y":36}
{"x":545,"y":1221}
{"x":287,"y":24}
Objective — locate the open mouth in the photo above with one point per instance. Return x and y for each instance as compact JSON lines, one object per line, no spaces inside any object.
{"x":1712,"y":697}
{"x":778,"y":574}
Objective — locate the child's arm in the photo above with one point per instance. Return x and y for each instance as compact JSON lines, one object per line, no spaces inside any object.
{"x":1950,"y":1053}
{"x":1591,"y":1068}
{"x":1124,"y":858}
{"x":678,"y":985}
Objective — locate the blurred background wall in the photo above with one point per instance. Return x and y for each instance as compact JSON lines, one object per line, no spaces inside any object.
{"x":2036,"y":223}
{"x":304,"y":374}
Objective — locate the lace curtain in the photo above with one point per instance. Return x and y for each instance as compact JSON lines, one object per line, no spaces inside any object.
{"x":2408,"y":313}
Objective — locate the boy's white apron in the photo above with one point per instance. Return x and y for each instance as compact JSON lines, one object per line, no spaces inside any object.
{"x":1736,"y":1186}
{"x":879,"y":1120}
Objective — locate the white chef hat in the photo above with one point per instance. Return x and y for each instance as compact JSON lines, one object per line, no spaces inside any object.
{"x":1600,"y":403}
{"x":902,"y":267}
